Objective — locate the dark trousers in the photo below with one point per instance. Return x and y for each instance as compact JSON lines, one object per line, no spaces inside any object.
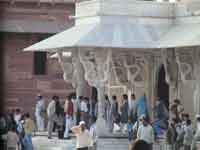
{"x":150,"y":146}
{"x":83,"y":148}
{"x":186,"y":147}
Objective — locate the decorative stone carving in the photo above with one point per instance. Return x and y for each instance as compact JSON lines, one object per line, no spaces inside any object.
{"x":78,"y":79}
{"x":184,"y":57}
{"x":67,"y":67}
{"x":73,"y":71}
{"x":189,"y":68}
{"x":96,"y":63}
{"x":129,"y":68}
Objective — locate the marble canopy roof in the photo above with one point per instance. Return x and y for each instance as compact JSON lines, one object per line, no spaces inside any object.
{"x":111,"y":25}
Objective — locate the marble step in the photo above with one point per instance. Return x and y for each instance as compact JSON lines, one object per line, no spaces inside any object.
{"x":112,"y":144}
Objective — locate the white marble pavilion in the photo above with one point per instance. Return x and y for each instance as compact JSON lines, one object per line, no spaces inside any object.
{"x":120,"y":46}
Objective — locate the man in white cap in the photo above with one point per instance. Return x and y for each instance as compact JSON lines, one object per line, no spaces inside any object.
{"x":83,"y":136}
{"x":40,"y":112}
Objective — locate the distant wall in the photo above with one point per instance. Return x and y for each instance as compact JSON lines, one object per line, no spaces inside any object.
{"x":21,"y":85}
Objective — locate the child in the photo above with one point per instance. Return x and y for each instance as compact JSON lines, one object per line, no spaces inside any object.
{"x":130,"y":129}
{"x":116,"y":125}
{"x":12,"y":139}
{"x":188,"y":135}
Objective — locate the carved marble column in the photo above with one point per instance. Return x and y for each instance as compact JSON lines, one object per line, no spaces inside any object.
{"x":188,"y":62}
{"x":96,"y":64}
{"x":171,"y":68}
{"x":196,"y":58}
{"x":78,"y":79}
{"x":150,"y":63}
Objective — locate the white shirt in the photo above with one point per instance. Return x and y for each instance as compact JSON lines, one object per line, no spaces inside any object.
{"x":146,"y":133}
{"x":83,"y":139}
{"x":17,"y":118}
{"x":84,"y":106}
{"x":51,"y":108}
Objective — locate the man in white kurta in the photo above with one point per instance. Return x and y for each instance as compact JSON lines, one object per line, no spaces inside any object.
{"x":146,"y":133}
{"x":39,"y":113}
{"x":51,"y":109}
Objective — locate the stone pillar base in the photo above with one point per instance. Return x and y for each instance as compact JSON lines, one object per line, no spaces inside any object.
{"x":102,"y":129}
{"x":112,"y":143}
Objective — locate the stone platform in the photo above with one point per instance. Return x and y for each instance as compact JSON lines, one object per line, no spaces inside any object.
{"x":41,"y":142}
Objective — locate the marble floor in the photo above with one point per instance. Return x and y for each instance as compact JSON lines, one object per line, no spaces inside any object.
{"x":43,"y":143}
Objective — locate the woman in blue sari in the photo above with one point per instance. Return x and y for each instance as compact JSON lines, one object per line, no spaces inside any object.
{"x":142,"y":107}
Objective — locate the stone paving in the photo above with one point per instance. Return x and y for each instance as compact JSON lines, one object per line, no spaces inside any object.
{"x":43,"y":143}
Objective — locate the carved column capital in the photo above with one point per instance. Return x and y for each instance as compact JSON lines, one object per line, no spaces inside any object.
{"x":184,"y":57}
{"x":129,"y":68}
{"x":66,"y":65}
{"x":96,"y":64}
{"x":73,"y":71}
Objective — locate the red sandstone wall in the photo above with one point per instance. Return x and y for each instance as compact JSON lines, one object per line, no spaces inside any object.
{"x":22,"y":85}
{"x":25,"y":23}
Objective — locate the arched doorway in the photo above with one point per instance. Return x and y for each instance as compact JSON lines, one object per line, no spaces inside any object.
{"x":163,"y":87}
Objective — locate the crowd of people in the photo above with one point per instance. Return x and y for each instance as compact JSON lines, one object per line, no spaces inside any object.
{"x":16,"y":130}
{"x":128,"y":116}
{"x":180,"y":130}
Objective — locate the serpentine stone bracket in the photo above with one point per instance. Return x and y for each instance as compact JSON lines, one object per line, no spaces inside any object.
{"x":96,"y":66}
{"x":67,"y":66}
{"x":129,"y":68}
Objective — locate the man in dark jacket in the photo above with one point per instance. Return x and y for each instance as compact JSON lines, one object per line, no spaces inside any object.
{"x":124,"y":113}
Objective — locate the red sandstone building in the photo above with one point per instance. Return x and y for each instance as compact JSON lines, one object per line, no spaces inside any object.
{"x":26,"y":22}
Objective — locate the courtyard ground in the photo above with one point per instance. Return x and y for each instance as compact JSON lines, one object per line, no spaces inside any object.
{"x":43,"y":143}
